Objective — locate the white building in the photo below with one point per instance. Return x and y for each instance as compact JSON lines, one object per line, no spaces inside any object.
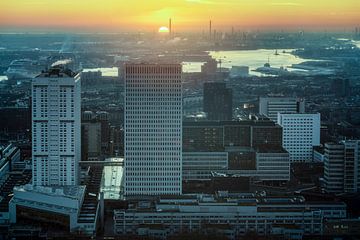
{"x":56,"y":128}
{"x":342,"y":166}
{"x":153,"y":129}
{"x":301,"y":132}
{"x":271,"y":106}
{"x":199,"y":165}
{"x":55,"y":195}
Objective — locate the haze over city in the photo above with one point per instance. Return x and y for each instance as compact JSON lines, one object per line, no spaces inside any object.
{"x":189,"y":15}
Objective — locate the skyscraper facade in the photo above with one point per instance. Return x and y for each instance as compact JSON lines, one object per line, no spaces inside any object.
{"x":56,"y":137}
{"x":217,"y":101}
{"x":271,"y":106}
{"x":153,"y":129}
{"x":301,"y":132}
{"x":342,"y":166}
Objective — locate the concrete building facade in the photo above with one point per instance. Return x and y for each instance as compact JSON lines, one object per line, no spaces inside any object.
{"x":301,"y":132}
{"x":342,"y":166}
{"x":199,"y":165}
{"x":271,"y":106}
{"x":56,"y":137}
{"x":153,"y":129}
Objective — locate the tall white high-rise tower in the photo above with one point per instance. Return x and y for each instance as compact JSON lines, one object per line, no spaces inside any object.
{"x":56,"y":112}
{"x":153,"y":129}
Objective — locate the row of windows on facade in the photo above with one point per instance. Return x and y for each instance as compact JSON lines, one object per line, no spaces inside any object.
{"x":153,"y":141}
{"x":153,"y":137}
{"x":297,"y":125}
{"x":62,"y":159}
{"x":151,"y":147}
{"x":44,"y":114}
{"x":173,"y":87}
{"x":145,"y":105}
{"x":154,"y":114}
{"x":288,"y":131}
{"x":151,"y":190}
{"x":302,"y":148}
{"x":298,"y":143}
{"x":152,"y":182}
{"x":146,"y":128}
{"x":43,"y":170}
{"x":44,"y":88}
{"x":154,"y":162}
{"x":44,"y":100}
{"x":62,"y":170}
{"x":153,"y":93}
{"x":62,"y":108}
{"x":209,"y":160}
{"x":171,"y":119}
{"x":154,"y":172}
{"x":151,"y":69}
{"x":148,"y":79}
{"x":63,"y":126}
{"x":153,"y":153}
{"x":147,"y":90}
{"x":153,"y":99}
{"x":162,"y":135}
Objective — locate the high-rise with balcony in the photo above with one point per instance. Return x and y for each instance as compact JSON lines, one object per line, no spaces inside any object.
{"x":56,"y":128}
{"x":153,"y":129}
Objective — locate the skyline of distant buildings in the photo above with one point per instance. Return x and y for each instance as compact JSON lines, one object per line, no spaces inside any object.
{"x":163,"y":152}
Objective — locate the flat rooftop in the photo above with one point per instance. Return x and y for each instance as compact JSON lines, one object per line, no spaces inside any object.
{"x":74,"y":192}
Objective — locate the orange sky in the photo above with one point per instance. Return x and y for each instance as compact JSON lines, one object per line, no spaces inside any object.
{"x":148,"y":15}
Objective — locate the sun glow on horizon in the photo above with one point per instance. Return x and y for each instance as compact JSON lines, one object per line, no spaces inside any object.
{"x":147,"y":15}
{"x":163,"y":29}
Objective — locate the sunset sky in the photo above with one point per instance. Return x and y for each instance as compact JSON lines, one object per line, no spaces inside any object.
{"x":148,"y":15}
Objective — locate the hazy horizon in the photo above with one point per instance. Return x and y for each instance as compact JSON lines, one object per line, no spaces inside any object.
{"x":187,"y":15}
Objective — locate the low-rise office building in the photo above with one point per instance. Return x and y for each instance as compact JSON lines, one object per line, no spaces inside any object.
{"x":232,"y":216}
{"x":272,"y":164}
{"x":199,"y":165}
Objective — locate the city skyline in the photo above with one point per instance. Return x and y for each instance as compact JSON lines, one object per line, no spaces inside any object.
{"x":180,"y":119}
{"x":187,"y":15}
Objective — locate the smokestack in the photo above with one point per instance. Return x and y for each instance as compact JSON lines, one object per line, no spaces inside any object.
{"x":210,"y":31}
{"x":170,"y":27}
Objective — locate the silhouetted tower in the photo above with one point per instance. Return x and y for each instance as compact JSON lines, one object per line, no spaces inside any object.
{"x":170,"y":30}
{"x":210,"y":31}
{"x":217,"y":101}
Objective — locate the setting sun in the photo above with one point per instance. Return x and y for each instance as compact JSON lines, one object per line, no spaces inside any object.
{"x":163,"y":29}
